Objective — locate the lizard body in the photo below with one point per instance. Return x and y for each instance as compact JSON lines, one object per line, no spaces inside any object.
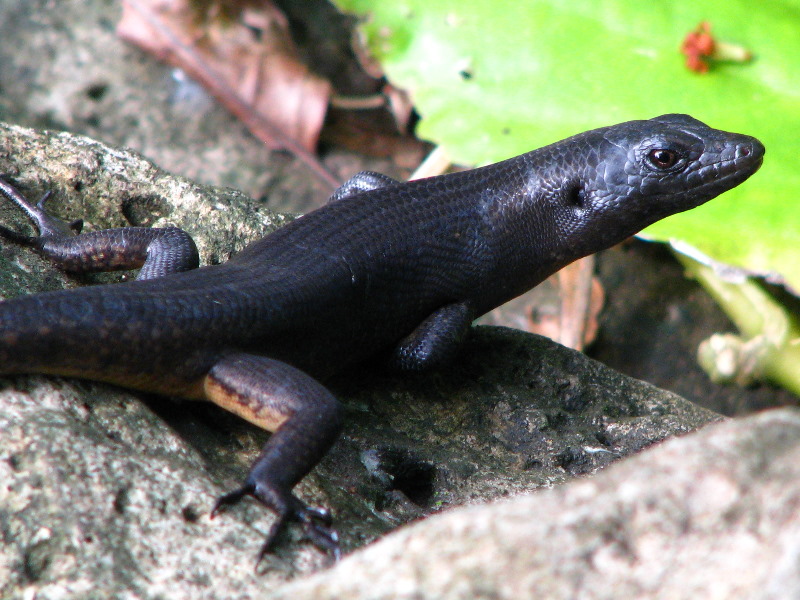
{"x":385,"y":268}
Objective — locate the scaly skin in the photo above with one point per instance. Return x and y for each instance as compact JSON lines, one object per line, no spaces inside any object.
{"x":390,"y":268}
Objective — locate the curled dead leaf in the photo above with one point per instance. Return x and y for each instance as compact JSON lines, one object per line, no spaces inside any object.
{"x":245,"y":57}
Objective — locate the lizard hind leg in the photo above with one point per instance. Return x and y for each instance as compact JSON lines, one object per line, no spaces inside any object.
{"x":157,"y":251}
{"x":306,"y":420}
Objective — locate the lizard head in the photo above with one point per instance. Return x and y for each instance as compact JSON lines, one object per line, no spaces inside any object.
{"x":669,"y":164}
{"x":607,"y":184}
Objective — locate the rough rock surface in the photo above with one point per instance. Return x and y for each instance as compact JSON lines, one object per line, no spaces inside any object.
{"x":713,"y":515}
{"x":102,"y":498}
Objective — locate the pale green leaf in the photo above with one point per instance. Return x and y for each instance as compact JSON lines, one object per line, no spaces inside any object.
{"x":493,"y":79}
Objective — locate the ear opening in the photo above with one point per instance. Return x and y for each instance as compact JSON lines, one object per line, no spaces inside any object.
{"x":574,"y":195}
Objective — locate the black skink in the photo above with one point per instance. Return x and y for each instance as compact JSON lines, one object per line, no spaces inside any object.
{"x":398,"y":269}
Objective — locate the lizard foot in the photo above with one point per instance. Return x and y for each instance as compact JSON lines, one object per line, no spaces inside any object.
{"x":48,"y":225}
{"x":315,"y":521}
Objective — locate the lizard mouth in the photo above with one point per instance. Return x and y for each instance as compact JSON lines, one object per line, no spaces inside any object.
{"x":749,"y":156}
{"x":740,"y":172}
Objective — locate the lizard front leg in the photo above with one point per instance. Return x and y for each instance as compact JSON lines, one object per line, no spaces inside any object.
{"x":364,"y":181}
{"x":157,"y":251}
{"x":306,"y":420}
{"x":435,"y":341}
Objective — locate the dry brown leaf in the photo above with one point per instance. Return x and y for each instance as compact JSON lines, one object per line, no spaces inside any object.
{"x":582,"y":299}
{"x":243,"y":54}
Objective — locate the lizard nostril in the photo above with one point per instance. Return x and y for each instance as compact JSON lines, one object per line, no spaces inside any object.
{"x":744,"y":152}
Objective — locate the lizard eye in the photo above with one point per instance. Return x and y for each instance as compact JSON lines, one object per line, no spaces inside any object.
{"x":662,"y":158}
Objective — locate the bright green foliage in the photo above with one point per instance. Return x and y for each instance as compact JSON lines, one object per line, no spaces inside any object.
{"x":493,"y":79}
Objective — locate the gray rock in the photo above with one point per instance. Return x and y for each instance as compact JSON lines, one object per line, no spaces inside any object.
{"x":106,"y":493}
{"x":711,"y":515}
{"x":101,"y":500}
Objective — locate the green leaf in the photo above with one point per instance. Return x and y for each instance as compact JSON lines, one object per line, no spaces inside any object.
{"x":494,"y":79}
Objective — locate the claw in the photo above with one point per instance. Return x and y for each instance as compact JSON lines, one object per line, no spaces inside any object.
{"x":231,"y":498}
{"x":320,"y":533}
{"x":318,"y":513}
{"x":316,"y":525}
{"x":43,"y":199}
{"x":269,"y":544}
